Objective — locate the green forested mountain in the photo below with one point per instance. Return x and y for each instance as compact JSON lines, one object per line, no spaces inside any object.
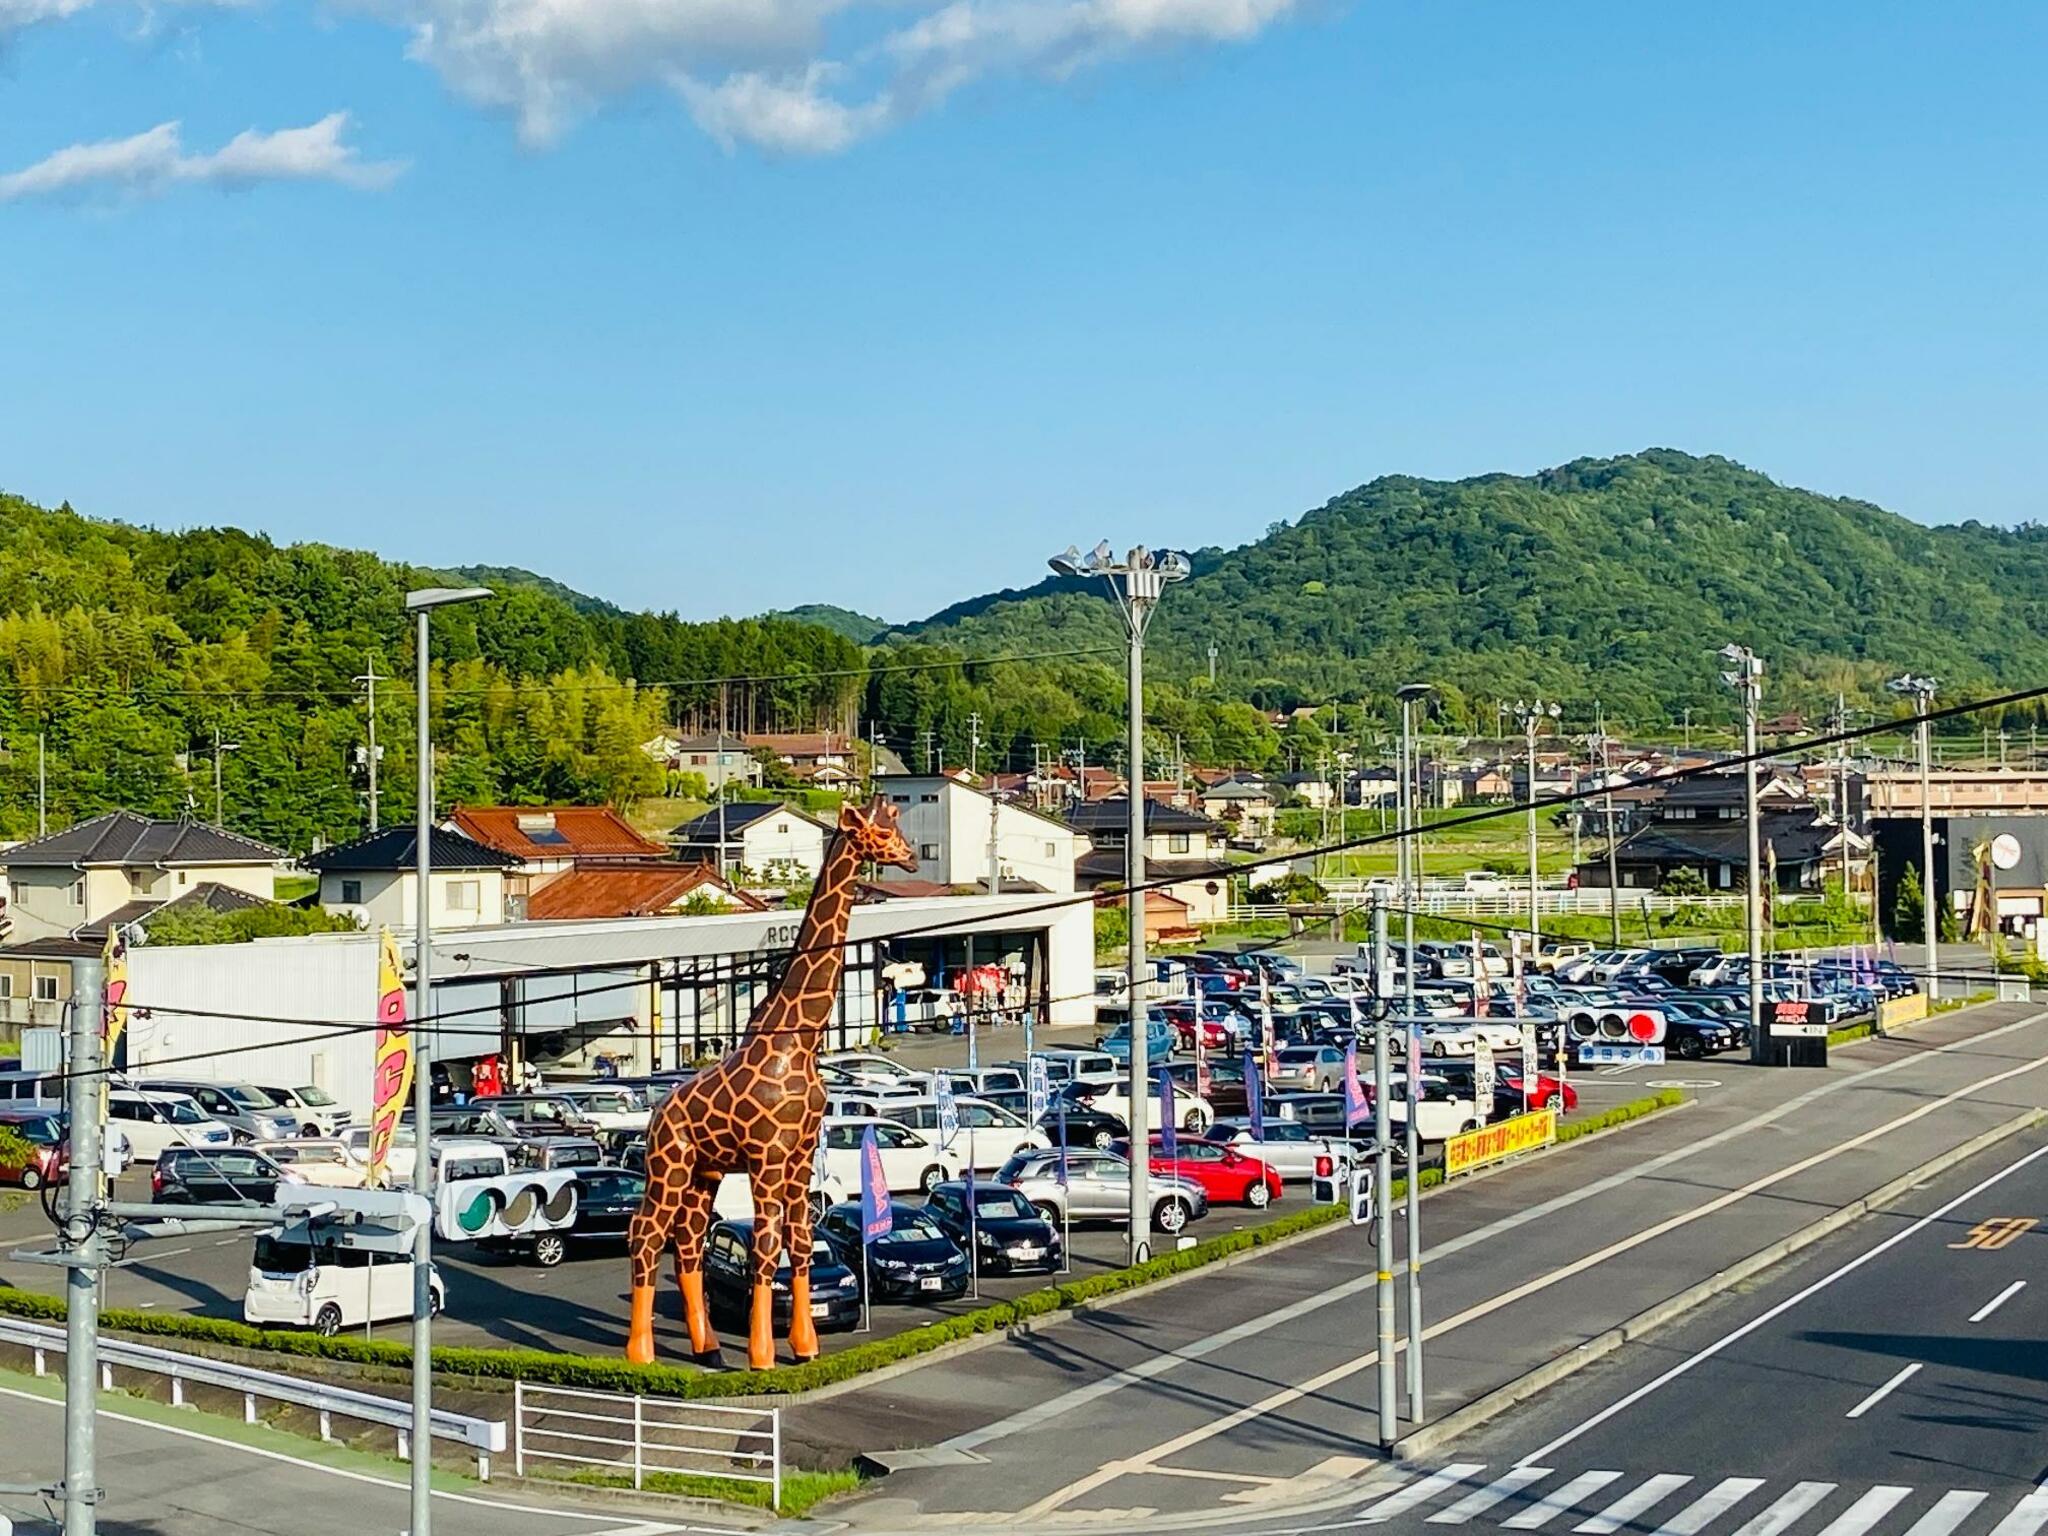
{"x":1611,"y":580}
{"x":127,"y":649}
{"x":841,"y":621}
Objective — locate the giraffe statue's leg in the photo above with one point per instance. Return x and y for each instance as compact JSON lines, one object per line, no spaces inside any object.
{"x":796,"y":1211}
{"x":693,"y":1224}
{"x":767,"y":1259}
{"x":646,"y":1236}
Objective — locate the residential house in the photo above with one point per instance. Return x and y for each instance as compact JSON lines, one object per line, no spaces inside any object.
{"x":545,"y":842}
{"x":1244,"y":804}
{"x":1183,"y":847}
{"x":1168,"y":920}
{"x":1486,"y":785}
{"x":637,"y":890}
{"x":1313,"y":790}
{"x":375,"y":879}
{"x":805,"y":749}
{"x":720,"y":760}
{"x":72,"y":879}
{"x":949,"y":824}
{"x":767,"y":840}
{"x":1701,"y":823}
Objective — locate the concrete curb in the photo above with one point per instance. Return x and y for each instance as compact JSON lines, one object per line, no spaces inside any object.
{"x":1491,"y":1405}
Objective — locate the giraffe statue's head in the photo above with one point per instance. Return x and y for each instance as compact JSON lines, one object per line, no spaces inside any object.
{"x":876,"y":837}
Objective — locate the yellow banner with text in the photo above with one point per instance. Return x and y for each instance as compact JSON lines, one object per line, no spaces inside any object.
{"x":1495,"y":1143}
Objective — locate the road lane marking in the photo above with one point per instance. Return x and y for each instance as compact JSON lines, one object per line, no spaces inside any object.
{"x":1631,"y":1504}
{"x":1064,"y":1403}
{"x":1883,"y":1392}
{"x":1419,"y":1492}
{"x":1993,"y":1234}
{"x":1709,"y":1351}
{"x":1860,"y":1518}
{"x":1555,"y":1503}
{"x":1512,"y":1482}
{"x":1949,"y":1511}
{"x":1790,"y":1506}
{"x":1998,"y":1301}
{"x":1709,"y":1506}
{"x":2027,"y":1517}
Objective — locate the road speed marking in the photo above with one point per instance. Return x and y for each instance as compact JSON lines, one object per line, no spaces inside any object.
{"x":1997,"y":1232}
{"x":1681,"y":1082}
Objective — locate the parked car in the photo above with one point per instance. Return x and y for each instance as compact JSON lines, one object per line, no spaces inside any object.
{"x":320,"y":1161}
{"x":531,"y":1143}
{"x":1226,"y":1175}
{"x":989,"y":1133}
{"x":915,"y":1261}
{"x":606,"y":1199}
{"x":931,"y":1010}
{"x":1064,"y":1063}
{"x":203,"y":1176}
{"x":153,"y":1121}
{"x":729,"y":1280}
{"x":397,"y":1162}
{"x":1007,"y":1234}
{"x":330,"y":1288}
{"x":1221,"y":1082}
{"x":1321,"y":1113}
{"x":545,"y":1114}
{"x":1460,"y":1037}
{"x":1084,"y":1125}
{"x":1545,"y":1092}
{"x":1288,"y":1147}
{"x":870,"y":1067}
{"x":1316,"y":1068}
{"x":1159,"y":1041}
{"x":911,"y":1159}
{"x":49,"y":1147}
{"x":243,"y":1108}
{"x":1098,"y":1188}
{"x":1112,"y":1097}
{"x":1443,"y":1108}
{"x":319,"y":1114}
{"x":613,"y":1109}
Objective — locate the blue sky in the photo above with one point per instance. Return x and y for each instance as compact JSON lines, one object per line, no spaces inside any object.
{"x":728,"y":304}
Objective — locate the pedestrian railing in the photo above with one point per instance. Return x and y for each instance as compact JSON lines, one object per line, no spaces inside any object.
{"x":639,"y":1437}
{"x":485,"y":1437}
{"x":1451,"y":901}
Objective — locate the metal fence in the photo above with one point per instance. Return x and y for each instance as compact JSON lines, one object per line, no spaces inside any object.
{"x":1452,"y":901}
{"x":639,"y":1436}
{"x":483,"y":1436}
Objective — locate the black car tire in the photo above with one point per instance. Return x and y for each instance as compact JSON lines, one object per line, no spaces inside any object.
{"x":549,"y":1249}
{"x":327,"y":1321}
{"x":1172,"y":1216}
{"x":1104,"y":1139}
{"x":1192,"y":1121}
{"x":1258,"y":1196}
{"x":1689,"y":1048}
{"x":931,"y":1178}
{"x":433,"y":1302}
{"x":1048,"y":1210}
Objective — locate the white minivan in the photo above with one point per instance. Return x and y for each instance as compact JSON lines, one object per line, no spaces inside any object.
{"x":295,"y":1284}
{"x":154,"y":1121}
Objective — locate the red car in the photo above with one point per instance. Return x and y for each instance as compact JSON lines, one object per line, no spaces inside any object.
{"x":1547,"y":1092}
{"x":1225,"y":1174}
{"x":46,"y":1160}
{"x":1214,"y":1036}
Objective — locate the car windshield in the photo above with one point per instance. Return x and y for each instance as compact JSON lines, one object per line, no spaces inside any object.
{"x":998,"y":1203}
{"x":275,"y":1256}
{"x":44,"y":1132}
{"x":312,"y":1153}
{"x":915,"y":1226}
{"x":605,"y":1103}
{"x":175,"y":1111}
{"x":1297,"y":1055}
{"x":314,"y":1098}
{"x":543,"y":1109}
{"x":248,"y":1098}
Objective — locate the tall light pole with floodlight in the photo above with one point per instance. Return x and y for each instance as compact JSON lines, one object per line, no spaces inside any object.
{"x":1137,"y":582}
{"x":1532,"y":717}
{"x":420,"y":604}
{"x":1921,"y":691}
{"x":1411,"y":694}
{"x":1745,"y":675}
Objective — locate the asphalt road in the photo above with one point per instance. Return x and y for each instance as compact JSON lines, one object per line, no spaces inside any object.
{"x":186,"y":1479}
{"x":1254,"y":1386}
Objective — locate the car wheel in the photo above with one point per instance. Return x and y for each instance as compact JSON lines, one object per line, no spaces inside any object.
{"x":1688,"y":1048}
{"x":931,"y":1178}
{"x":327,"y":1322}
{"x":1171,"y":1216}
{"x":1192,"y":1121}
{"x":30,"y":1179}
{"x":1104,"y":1140}
{"x":1553,"y":1100}
{"x":1257,"y":1196}
{"x":549,"y":1249}
{"x":1469,"y":1125}
{"x":1047,"y":1210}
{"x":433,"y":1302}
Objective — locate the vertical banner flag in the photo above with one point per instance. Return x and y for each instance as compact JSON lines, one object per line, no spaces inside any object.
{"x":949,"y":1112}
{"x":1482,"y":1076}
{"x":1166,"y":1131}
{"x":1414,"y":1055}
{"x":1041,"y":1089}
{"x":876,"y":1218}
{"x":113,"y":1014}
{"x":1530,"y":1064}
{"x":1254,"y":1096}
{"x":393,"y":1078}
{"x":1060,"y":1108}
{"x":1355,"y":1106}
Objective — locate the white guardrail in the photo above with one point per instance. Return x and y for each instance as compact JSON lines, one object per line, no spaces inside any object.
{"x":636,"y":1436}
{"x":1451,"y":901}
{"x":486,"y":1437}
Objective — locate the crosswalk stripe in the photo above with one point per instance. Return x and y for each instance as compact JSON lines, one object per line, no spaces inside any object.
{"x":1555,"y":1503}
{"x":1420,"y":1492}
{"x":2027,"y":1517}
{"x":1873,"y":1506}
{"x":1478,"y":1502}
{"x":1789,"y":1507}
{"x":1630,"y":1504}
{"x":1709,"y":1506}
{"x":1949,"y":1511}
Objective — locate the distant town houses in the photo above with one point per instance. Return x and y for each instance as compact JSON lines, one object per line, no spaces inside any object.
{"x":1183,"y":848}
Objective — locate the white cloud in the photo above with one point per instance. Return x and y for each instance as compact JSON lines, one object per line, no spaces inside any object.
{"x":786,"y":116}
{"x":156,"y":159}
{"x":24,"y":13}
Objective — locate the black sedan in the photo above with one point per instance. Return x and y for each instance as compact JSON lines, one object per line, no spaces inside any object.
{"x":606,"y":1199}
{"x":1007,"y":1232}
{"x":1085,"y":1126}
{"x":914,"y":1261}
{"x":729,"y":1280}
{"x":214,"y":1176}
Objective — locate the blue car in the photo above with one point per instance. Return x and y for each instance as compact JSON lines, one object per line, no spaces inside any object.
{"x":1159,"y":1040}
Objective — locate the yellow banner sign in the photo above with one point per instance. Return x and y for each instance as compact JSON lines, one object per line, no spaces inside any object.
{"x":394,"y":1057}
{"x":1496,"y":1143}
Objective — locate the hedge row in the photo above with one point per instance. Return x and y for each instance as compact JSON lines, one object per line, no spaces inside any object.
{"x":1850,"y":1032}
{"x":599,"y":1373}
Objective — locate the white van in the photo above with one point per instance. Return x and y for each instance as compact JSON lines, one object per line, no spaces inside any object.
{"x":296,"y":1284}
{"x":154,"y":1121}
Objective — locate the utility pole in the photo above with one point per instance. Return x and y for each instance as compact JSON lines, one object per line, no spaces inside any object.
{"x":219,"y":803}
{"x":1607,"y":815}
{"x":1746,"y":676}
{"x":930,"y":743}
{"x":1409,"y":694}
{"x":974,"y":745}
{"x":1212,"y":663}
{"x":1688,"y":730}
{"x":1921,"y":691}
{"x":85,"y":1250}
{"x":1532,"y":716}
{"x":369,"y":680}
{"x":1383,"y":1179}
{"x":1138,"y":584}
{"x":42,"y":789}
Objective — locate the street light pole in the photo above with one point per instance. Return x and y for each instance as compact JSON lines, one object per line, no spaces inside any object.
{"x":1746,"y":676}
{"x":421,"y":605}
{"x":1409,"y":694}
{"x":1137,"y":584}
{"x":1531,"y":716}
{"x":1921,"y":690}
{"x":1383,"y":1183}
{"x":219,"y":803}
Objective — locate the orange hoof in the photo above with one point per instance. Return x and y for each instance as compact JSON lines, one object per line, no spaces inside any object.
{"x":803,"y":1332}
{"x":761,"y":1329}
{"x":640,"y":1335}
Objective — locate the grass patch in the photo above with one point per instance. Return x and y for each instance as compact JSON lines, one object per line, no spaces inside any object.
{"x":1969,"y":1000}
{"x":609,"y":1374}
{"x":658,"y":815}
{"x":293,"y":887}
{"x":802,"y":1491}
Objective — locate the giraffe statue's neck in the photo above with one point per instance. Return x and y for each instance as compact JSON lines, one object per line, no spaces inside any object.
{"x":810,"y":987}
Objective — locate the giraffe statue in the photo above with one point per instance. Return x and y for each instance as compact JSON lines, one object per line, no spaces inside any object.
{"x":758,"y":1112}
